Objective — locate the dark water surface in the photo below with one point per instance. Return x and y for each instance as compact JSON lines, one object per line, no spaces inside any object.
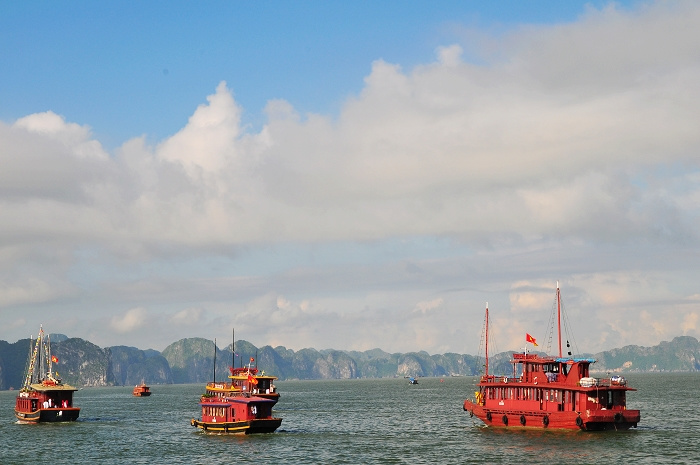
{"x":351,"y":422}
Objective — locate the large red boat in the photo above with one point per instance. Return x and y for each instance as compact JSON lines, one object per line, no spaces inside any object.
{"x":237,"y":415}
{"x":242,"y":405}
{"x":551,"y":392}
{"x":43,"y":396}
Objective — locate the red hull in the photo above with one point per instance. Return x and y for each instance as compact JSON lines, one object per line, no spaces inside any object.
{"x":600,"y":420}
{"x":51,"y":415}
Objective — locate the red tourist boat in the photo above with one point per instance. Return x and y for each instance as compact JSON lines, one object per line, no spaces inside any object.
{"x":551,"y":392}
{"x":237,"y":415}
{"x":141,"y":390}
{"x":43,"y":396}
{"x":241,"y":406}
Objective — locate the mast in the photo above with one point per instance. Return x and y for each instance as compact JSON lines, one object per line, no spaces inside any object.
{"x":233,"y":348}
{"x":559,"y":317}
{"x":487,"y":339}
{"x":215,"y":360}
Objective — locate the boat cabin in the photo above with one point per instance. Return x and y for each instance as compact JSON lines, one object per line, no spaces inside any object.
{"x":233,"y":409}
{"x":549,"y":384}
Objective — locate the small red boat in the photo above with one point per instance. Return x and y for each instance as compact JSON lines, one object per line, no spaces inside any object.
{"x":551,"y":392}
{"x":142,"y":390}
{"x":43,"y":396}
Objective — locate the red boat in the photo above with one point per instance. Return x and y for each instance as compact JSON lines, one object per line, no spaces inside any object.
{"x":241,"y":406}
{"x":237,"y":415}
{"x":43,"y":396}
{"x":551,"y":392}
{"x":142,"y":390}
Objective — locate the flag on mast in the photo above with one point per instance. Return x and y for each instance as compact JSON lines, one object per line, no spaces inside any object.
{"x":531,"y":339}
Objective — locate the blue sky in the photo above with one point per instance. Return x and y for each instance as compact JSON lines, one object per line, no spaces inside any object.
{"x":349,"y":175}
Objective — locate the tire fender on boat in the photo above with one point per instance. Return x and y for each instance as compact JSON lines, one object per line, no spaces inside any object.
{"x":522,"y":420}
{"x":618,"y":418}
{"x":545,"y":420}
{"x":471,"y":413}
{"x":579,"y":422}
{"x":505,"y":420}
{"x":488,"y":416}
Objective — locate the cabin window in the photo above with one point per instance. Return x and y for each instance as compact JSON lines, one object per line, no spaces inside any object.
{"x":619,"y":399}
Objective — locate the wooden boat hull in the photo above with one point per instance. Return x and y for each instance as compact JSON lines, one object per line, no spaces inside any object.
{"x":50,"y":415}
{"x":600,"y":420}
{"x":259,"y":425}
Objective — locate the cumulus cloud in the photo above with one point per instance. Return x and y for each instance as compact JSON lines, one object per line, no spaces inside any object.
{"x":131,"y":320}
{"x":570,"y":144}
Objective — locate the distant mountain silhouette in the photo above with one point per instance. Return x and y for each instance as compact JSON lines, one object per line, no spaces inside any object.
{"x":191,"y":360}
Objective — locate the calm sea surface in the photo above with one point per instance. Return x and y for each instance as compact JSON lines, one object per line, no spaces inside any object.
{"x":351,"y":422}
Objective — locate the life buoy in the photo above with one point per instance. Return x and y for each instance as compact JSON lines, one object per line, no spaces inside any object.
{"x":522,"y":420}
{"x":488,"y":416}
{"x":579,"y":422}
{"x":505,"y":420}
{"x":505,"y":379}
{"x":545,"y":420}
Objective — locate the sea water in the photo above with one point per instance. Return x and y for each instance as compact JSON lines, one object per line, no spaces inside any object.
{"x":351,"y":422}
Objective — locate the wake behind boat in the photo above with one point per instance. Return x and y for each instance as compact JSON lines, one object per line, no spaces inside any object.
{"x":551,"y":392}
{"x":43,"y":396}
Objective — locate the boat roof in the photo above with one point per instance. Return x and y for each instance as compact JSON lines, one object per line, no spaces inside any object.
{"x":537,"y":358}
{"x":55,"y":387}
{"x":240,"y":400}
{"x":574,"y":360}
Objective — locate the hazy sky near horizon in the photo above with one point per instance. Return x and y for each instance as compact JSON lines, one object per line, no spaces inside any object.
{"x":350,"y":175}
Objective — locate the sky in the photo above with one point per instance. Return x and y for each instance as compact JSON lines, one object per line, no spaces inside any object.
{"x":350,"y":175}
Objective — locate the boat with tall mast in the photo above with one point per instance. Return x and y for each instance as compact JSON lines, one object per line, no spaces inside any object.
{"x":551,"y":392}
{"x":43,"y":396}
{"x":238,"y":406}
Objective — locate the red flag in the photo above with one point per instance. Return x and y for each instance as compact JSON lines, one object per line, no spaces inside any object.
{"x":531,"y":339}
{"x":54,"y":359}
{"x":252,"y":359}
{"x":252,"y":380}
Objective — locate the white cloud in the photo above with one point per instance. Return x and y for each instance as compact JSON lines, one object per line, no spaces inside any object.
{"x":567,"y":151}
{"x":132,"y":320}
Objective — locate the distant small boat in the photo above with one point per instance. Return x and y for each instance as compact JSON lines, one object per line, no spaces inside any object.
{"x":44,"y":398}
{"x":412,"y":381}
{"x":142,"y":390}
